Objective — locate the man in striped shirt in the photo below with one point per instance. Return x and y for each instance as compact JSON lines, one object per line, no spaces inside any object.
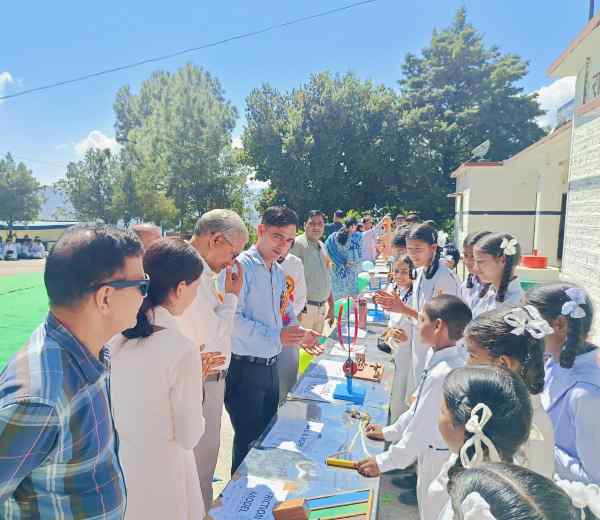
{"x":58,"y":445}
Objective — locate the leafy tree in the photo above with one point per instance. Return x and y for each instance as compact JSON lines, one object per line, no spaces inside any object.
{"x":90,"y":186}
{"x":178,"y":132}
{"x":20,"y":197}
{"x":455,"y":95}
{"x":326,"y":144}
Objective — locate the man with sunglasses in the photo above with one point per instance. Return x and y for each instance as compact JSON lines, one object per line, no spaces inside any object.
{"x":58,"y":444}
{"x":219,"y":237}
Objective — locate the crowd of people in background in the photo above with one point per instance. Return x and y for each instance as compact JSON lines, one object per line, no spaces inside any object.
{"x":113,"y":409}
{"x":27,"y":249}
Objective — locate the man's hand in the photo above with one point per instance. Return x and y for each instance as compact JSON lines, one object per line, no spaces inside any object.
{"x":368,"y":467}
{"x":292,"y":336}
{"x":212,"y":362}
{"x":390,"y":302}
{"x":234,"y":281}
{"x":374,"y":432}
{"x":330,"y":317}
{"x":310,"y":343}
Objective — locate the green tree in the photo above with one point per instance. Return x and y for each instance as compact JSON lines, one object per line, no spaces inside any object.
{"x":333,"y":142}
{"x":455,"y":95}
{"x":90,"y":186}
{"x":178,"y":131}
{"x":20,"y":197}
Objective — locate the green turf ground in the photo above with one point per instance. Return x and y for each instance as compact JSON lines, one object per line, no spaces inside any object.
{"x":23,"y":306}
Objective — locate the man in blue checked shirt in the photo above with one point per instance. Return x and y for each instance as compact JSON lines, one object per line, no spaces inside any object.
{"x":58,"y":445}
{"x":264,"y":323}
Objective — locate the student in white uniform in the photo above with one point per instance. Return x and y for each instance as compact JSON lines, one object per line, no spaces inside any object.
{"x":11,"y":249}
{"x":572,"y":388}
{"x":497,"y":256}
{"x":37,"y":248}
{"x":500,"y":491}
{"x":156,"y":384}
{"x":399,"y":336}
{"x":472,"y":289}
{"x":415,"y":435}
{"x":513,"y":338}
{"x":485,"y":416}
{"x":431,"y":279}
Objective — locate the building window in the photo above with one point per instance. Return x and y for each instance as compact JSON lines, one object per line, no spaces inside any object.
{"x":561,"y":227}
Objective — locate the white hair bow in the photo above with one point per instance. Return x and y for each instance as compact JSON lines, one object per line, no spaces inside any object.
{"x":582,"y":495}
{"x":573,"y":306}
{"x":475,"y":507}
{"x":509,"y":246}
{"x":475,"y":425}
{"x":528,"y":319}
{"x":442,"y":238}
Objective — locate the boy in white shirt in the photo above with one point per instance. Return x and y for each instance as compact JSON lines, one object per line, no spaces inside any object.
{"x":415,"y":435}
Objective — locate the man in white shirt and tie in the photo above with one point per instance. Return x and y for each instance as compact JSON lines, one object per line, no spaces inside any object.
{"x":219,"y":237}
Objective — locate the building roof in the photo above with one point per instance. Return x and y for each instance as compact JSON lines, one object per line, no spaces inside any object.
{"x":39,"y":224}
{"x":482,"y":164}
{"x":571,"y":60}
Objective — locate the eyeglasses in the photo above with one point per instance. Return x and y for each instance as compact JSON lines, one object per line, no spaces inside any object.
{"x":143,"y":285}
{"x":234,"y":251}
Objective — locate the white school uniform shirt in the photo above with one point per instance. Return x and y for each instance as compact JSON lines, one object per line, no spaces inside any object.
{"x":156,"y":385}
{"x":415,"y":434}
{"x":403,"y":384}
{"x":444,"y":281}
{"x":513,"y":296}
{"x":535,"y":453}
{"x":209,"y":319}
{"x":292,"y":266}
{"x":471,"y":295}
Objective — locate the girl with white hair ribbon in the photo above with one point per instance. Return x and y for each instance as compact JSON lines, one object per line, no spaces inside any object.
{"x":497,"y":256}
{"x":571,"y":395}
{"x":501,"y":491}
{"x":485,"y":416}
{"x":513,"y":338}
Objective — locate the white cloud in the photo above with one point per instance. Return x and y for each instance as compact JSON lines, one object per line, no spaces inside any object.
{"x":96,"y":139}
{"x":552,"y":97}
{"x":5,"y":79}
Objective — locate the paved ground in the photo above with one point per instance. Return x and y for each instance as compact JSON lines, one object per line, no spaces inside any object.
{"x":21,"y":266}
{"x":396,"y":502}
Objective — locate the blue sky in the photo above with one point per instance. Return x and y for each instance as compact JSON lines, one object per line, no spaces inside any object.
{"x":43,"y":42}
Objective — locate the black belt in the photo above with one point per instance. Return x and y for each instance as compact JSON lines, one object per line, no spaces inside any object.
{"x":316,"y":304}
{"x":256,"y":360}
{"x":221,"y":374}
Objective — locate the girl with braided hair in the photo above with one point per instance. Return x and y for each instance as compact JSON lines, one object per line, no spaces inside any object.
{"x":513,"y":338}
{"x":485,"y":416}
{"x":497,"y":256}
{"x":571,"y":395}
{"x":432,"y":279}
{"x":472,"y":289}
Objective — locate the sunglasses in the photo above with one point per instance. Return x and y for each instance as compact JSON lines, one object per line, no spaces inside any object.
{"x":143,"y":285}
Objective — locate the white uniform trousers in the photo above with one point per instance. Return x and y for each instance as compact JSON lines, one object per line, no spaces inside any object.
{"x":207,"y":450}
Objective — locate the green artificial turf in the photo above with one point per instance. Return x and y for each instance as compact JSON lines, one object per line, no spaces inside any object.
{"x":23,"y":306}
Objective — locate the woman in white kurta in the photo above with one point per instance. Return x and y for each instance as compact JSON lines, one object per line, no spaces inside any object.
{"x":156,"y":385}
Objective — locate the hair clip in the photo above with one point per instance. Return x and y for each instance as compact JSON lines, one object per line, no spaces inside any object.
{"x":572,"y":307}
{"x":582,"y":495}
{"x":442,"y":238}
{"x":528,"y":319}
{"x":509,"y":246}
{"x":475,"y":507}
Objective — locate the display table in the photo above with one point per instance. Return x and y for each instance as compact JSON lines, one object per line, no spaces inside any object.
{"x":288,"y":461}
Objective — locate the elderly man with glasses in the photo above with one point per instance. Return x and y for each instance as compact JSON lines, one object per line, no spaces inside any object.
{"x":219,"y":237}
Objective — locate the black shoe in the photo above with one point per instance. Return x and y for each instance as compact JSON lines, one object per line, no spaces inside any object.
{"x":405,"y":481}
{"x":408,"y":498}
{"x":383,"y":346}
